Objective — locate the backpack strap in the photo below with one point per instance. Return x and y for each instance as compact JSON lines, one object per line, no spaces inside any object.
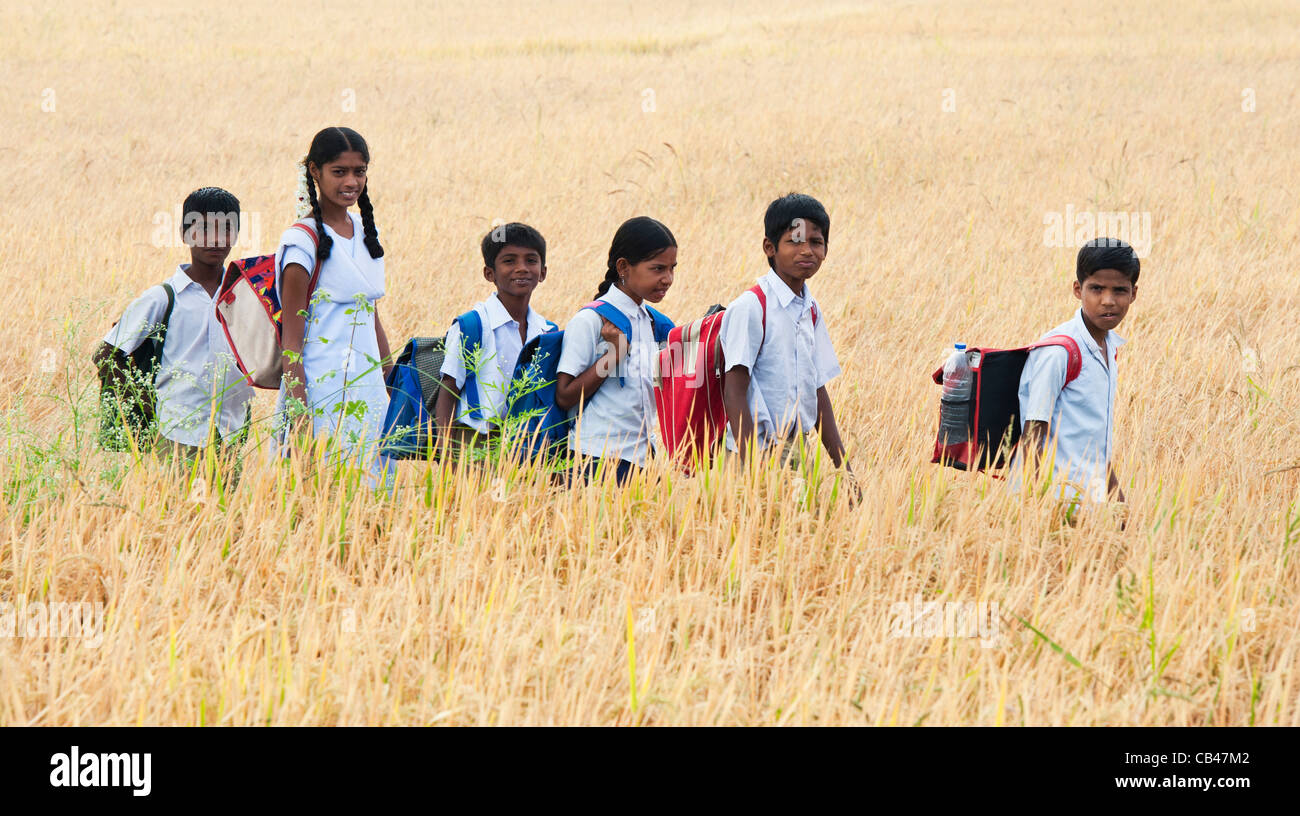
{"x":307,"y":227}
{"x":660,"y":324}
{"x":158,"y":336}
{"x":471,"y":337}
{"x":614,"y":315}
{"x":762,"y":302}
{"x":1074,"y":363}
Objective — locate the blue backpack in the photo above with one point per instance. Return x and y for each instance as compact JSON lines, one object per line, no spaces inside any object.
{"x":532,"y":385}
{"x":413,"y":384}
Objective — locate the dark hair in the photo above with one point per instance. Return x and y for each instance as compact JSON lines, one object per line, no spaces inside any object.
{"x":327,"y":146}
{"x":1107,"y":253}
{"x":637,"y":239}
{"x":520,"y":235}
{"x":210,"y":201}
{"x":781,"y":215}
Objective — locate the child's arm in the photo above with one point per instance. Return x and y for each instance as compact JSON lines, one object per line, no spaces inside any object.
{"x":570,"y":389}
{"x":1113,"y":488}
{"x":293,"y":300}
{"x":444,"y":410}
{"x":1033,"y":440}
{"x":385,"y":352}
{"x":740,"y":337}
{"x":735,"y":401}
{"x":830,"y":432}
{"x":1041,"y":382}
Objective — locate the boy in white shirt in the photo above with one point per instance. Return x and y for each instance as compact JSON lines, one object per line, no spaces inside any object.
{"x":199,"y":388}
{"x":1077,"y":420}
{"x":776,"y":348}
{"x":483,"y":345}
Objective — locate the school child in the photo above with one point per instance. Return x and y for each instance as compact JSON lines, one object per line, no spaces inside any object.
{"x":1072,"y":424}
{"x":335,"y":358}
{"x":199,"y":388}
{"x":472,"y":402}
{"x":605,"y":373}
{"x":777,"y":350}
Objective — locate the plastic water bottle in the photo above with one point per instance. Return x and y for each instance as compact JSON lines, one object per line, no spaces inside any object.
{"x":954,"y":405}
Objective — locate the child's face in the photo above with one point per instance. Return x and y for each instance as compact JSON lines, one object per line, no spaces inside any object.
{"x":341,"y":181}
{"x":799,"y":253}
{"x":1105,"y":295}
{"x":210,"y":239}
{"x":517,"y":271}
{"x":650,"y":279}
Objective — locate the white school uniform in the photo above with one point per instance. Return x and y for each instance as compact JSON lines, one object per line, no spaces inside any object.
{"x":617,"y":420}
{"x":340,"y":353}
{"x":198,"y":382}
{"x":786,"y":368}
{"x":1081,"y":415}
{"x":500,"y":352}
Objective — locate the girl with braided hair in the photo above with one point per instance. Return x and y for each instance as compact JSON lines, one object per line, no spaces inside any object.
{"x":337,"y":355}
{"x":605,"y":375}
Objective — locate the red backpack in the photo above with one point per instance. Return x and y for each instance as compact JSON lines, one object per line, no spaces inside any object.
{"x":248,"y":308}
{"x":994,"y":423}
{"x":688,"y":386}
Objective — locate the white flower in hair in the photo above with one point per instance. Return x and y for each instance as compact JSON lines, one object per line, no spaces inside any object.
{"x":303,"y":203}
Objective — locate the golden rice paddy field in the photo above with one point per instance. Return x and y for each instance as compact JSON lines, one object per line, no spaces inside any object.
{"x":944,"y":138}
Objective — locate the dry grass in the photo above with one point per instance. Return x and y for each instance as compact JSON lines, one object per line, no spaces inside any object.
{"x":742,"y":599}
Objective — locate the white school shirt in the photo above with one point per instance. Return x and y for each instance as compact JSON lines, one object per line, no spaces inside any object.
{"x":1081,"y":415}
{"x":340,"y":353}
{"x":617,"y":420}
{"x":786,"y":368}
{"x":500,"y":352}
{"x":198,"y":378}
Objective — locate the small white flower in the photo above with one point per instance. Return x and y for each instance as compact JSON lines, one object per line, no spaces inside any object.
{"x":1249,"y":360}
{"x":303,"y":203}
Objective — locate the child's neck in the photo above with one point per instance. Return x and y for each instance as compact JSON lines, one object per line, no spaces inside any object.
{"x":637,"y":299}
{"x":1098,"y":335}
{"x":796,"y":286}
{"x":516,"y":307}
{"x":205,"y":275}
{"x":336,"y":217}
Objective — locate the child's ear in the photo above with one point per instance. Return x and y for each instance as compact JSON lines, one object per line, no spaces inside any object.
{"x":489,"y":274}
{"x":769,"y":248}
{"x":1078,"y":290}
{"x":542,"y":277}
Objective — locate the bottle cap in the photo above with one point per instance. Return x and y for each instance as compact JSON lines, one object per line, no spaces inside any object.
{"x":960,"y":346}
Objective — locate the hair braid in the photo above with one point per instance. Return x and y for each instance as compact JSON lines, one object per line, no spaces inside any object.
{"x":368,"y":223}
{"x":323,"y":242}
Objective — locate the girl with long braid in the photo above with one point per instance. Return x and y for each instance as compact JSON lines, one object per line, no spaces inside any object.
{"x":336,"y":357}
{"x":616,"y":338}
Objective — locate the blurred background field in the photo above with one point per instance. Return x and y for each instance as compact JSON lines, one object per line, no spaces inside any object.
{"x":941,"y":137}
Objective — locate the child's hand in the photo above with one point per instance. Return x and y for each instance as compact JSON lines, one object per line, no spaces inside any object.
{"x":610,"y":334}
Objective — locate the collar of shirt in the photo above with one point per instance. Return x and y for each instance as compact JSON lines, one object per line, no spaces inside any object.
{"x":182,"y":279}
{"x":1113,"y":340}
{"x":498,"y":316}
{"x":620,"y":300}
{"x":777,"y":287}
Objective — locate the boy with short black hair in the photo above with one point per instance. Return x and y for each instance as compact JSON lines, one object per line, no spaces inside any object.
{"x":1077,"y":419}
{"x":471,"y":401}
{"x":198,"y":384}
{"x":777,"y":350}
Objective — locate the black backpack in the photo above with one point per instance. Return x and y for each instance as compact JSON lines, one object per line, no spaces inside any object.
{"x":127,"y":386}
{"x":993,"y":425}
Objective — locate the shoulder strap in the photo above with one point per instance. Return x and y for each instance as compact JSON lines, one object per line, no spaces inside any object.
{"x":551,"y":326}
{"x":1074,"y":363}
{"x":471,"y":337}
{"x":612,"y":313}
{"x":660,"y":322}
{"x":762,"y":302}
{"x":307,"y":227}
{"x":160,"y":333}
